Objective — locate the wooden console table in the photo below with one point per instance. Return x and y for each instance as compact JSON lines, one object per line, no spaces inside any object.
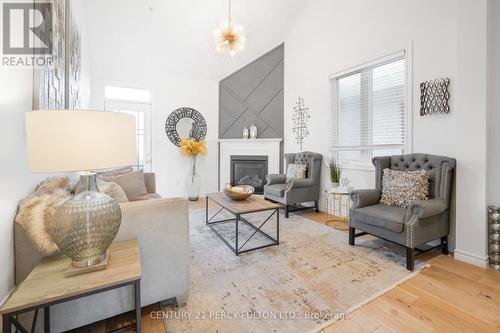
{"x":46,"y":285}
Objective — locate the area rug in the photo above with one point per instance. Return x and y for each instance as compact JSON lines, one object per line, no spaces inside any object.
{"x":311,"y":279}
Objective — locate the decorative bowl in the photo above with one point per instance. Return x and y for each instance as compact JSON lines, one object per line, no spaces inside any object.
{"x":238,"y":193}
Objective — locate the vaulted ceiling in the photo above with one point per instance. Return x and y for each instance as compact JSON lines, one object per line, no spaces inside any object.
{"x":176,"y":35}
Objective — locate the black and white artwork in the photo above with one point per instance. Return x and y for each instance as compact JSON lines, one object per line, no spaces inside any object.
{"x":49,"y":85}
{"x":434,"y":97}
{"x":57,"y":85}
{"x":73,"y":65}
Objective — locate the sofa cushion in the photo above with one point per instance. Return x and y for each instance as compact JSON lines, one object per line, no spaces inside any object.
{"x":150,"y":196}
{"x":113,"y":190}
{"x":132,"y":183}
{"x":277,"y":190}
{"x":386,"y":217}
{"x":402,"y":188}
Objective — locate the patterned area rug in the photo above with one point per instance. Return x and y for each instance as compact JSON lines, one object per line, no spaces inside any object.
{"x":313,"y":277}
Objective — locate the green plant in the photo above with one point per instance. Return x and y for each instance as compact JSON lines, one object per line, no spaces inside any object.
{"x":335,"y":172}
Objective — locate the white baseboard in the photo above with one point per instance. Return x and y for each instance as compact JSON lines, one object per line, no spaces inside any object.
{"x":471,"y":258}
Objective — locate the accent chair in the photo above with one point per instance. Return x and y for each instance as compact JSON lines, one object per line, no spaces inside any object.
{"x":299,"y":190}
{"x":422,"y":221}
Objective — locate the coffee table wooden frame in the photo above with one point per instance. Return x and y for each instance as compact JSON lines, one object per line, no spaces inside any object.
{"x":239,"y":208}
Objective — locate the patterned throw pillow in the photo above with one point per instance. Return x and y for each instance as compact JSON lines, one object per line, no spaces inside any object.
{"x":296,"y":171}
{"x":402,"y":188}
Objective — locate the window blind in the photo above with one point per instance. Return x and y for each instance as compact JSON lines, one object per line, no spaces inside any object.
{"x":370,"y":108}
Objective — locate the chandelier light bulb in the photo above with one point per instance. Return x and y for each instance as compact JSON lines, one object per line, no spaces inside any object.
{"x":229,"y":37}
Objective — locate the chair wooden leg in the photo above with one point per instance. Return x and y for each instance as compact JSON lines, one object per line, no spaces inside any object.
{"x":316,"y":205}
{"x":410,"y":259}
{"x":286,"y":212}
{"x":352,"y":237}
{"x":444,"y":245}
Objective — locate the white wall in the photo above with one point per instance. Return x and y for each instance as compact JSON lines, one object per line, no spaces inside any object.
{"x":331,"y":36}
{"x":16,"y":95}
{"x":494,"y":101}
{"x":15,"y":179}
{"x":167,"y":46}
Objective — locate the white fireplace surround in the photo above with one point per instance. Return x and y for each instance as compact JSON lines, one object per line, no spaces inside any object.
{"x":250,"y":147}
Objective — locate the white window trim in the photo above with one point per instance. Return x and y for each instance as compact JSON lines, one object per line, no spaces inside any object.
{"x":153,"y":143}
{"x":407,"y":54}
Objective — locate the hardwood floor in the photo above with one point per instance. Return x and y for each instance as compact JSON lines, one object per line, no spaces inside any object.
{"x":450,"y":296}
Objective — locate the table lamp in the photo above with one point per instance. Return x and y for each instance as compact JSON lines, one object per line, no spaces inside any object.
{"x":84,"y":226}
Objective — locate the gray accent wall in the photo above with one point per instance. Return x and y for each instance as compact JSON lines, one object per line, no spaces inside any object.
{"x":254,"y":94}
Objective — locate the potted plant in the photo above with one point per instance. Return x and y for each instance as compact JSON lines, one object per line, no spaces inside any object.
{"x":335,"y":174}
{"x":192,"y":148}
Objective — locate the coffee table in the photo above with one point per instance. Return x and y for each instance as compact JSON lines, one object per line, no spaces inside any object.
{"x":237,"y":224}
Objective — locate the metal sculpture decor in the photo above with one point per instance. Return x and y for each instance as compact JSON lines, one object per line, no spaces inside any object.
{"x":434,"y":97}
{"x":300,"y":119}
{"x":185,"y":123}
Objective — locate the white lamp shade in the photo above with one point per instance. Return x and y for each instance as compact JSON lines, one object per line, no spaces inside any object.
{"x":63,"y":141}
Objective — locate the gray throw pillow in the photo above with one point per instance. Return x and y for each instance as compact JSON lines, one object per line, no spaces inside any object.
{"x":133,"y":183}
{"x":113,"y":190}
{"x":402,"y":188}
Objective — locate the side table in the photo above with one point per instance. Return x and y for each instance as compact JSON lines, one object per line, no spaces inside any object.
{"x":46,"y":285}
{"x":337,"y":204}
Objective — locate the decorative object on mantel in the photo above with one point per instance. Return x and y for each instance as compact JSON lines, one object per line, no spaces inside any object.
{"x":253,"y":132}
{"x":434,"y":96}
{"x":300,"y":119}
{"x":229,"y":37}
{"x":192,"y":148}
{"x":246,"y":132}
{"x":494,"y":239}
{"x":335,"y":174}
{"x":238,"y":193}
{"x":84,"y":226}
{"x":185,"y":123}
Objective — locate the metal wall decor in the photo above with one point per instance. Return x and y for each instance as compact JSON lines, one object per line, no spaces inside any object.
{"x":434,"y":96}
{"x":300,"y":119}
{"x":185,"y":123}
{"x":49,"y":81}
{"x":73,"y":65}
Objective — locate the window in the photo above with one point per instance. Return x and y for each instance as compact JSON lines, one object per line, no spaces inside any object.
{"x":370,"y":117}
{"x":138,"y":103}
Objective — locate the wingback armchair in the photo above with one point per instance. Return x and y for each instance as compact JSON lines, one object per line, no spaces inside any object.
{"x":422,"y":222}
{"x":299,"y":190}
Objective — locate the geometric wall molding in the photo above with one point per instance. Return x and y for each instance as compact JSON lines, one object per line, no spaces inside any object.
{"x":254,"y":95}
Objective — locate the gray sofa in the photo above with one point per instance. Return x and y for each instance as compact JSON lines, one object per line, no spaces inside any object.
{"x":422,"y":222}
{"x":300,"y":190}
{"x":161,"y":227}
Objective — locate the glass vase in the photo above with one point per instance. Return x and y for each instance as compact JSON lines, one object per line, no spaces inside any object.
{"x":193,"y":182}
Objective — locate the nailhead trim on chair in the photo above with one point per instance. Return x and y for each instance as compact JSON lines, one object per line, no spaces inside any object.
{"x":410,"y":235}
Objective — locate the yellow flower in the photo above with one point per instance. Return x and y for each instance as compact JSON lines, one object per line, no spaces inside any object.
{"x":190,"y":147}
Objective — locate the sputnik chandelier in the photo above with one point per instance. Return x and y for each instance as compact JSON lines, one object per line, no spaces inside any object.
{"x":229,"y":36}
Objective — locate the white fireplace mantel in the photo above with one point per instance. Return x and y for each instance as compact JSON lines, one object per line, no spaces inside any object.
{"x":250,"y":147}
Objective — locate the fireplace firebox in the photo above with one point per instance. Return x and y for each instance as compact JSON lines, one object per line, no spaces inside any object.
{"x":249,"y":170}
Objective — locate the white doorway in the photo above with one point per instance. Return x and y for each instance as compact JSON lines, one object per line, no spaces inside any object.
{"x":136,"y":102}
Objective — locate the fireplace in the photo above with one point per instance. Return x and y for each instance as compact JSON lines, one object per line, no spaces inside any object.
{"x":249,"y":170}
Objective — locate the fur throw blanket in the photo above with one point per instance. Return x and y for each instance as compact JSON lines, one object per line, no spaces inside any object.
{"x":35,"y":212}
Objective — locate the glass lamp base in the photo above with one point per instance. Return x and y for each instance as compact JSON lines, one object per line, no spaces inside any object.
{"x":84,"y":226}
